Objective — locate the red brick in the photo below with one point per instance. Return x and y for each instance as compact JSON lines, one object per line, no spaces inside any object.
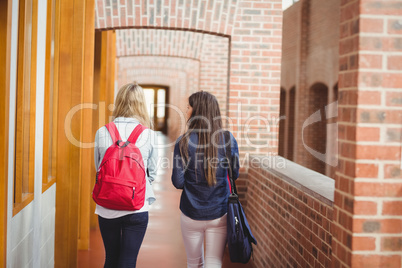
{"x":370,"y":61}
{"x":376,"y":7}
{"x":376,"y":261}
{"x":377,"y":189}
{"x":393,"y":134}
{"x":394,"y":26}
{"x":343,"y":184}
{"x":391,"y":243}
{"x":394,"y":98}
{"x":350,"y":11}
{"x":363,"y":243}
{"x":348,"y":80}
{"x":394,"y":63}
{"x":392,"y":80}
{"x":348,"y":96}
{"x":370,"y":25}
{"x":371,"y":43}
{"x":392,"y":208}
{"x":373,"y":225}
{"x":369,"y":97}
{"x":379,"y":116}
{"x":392,"y":171}
{"x":367,"y":134}
{"x":349,"y":45}
{"x":347,"y":150}
{"x":344,"y":30}
{"x":378,"y":152}
{"x":365,"y":208}
{"x":366,"y":170}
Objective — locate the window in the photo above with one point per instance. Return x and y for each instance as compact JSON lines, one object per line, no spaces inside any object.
{"x":50,"y":114}
{"x":25,"y":105}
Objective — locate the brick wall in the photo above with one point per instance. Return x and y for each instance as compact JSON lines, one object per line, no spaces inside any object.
{"x":159,"y":42}
{"x":367,"y":214}
{"x":291,"y":222}
{"x":214,"y":59}
{"x":176,"y":49}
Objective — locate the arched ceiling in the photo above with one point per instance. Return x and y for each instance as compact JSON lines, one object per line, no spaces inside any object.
{"x":201,"y":15}
{"x":131,"y":42}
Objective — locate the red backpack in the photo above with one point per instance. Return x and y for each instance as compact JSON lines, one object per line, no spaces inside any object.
{"x":120,"y":180}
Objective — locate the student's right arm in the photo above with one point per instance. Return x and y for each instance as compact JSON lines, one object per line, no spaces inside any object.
{"x":178,"y":170}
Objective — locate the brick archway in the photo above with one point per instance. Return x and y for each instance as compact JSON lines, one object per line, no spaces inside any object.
{"x":168,"y":48}
{"x":254,"y":33}
{"x":202,"y":16}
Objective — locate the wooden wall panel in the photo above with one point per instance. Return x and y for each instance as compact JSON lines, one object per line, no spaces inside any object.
{"x":5,"y":37}
{"x":107,"y":73}
{"x":74,"y":54}
{"x":111,"y":63}
{"x":96,"y":116}
{"x":87,"y":171}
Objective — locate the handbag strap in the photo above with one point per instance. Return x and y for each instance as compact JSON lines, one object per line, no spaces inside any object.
{"x":228,"y":152}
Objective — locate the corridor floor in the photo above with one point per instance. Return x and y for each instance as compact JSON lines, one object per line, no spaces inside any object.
{"x":163,"y":246}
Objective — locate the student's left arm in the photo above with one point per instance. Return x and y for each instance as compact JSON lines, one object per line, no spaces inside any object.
{"x":153,"y":158}
{"x":235,"y":157}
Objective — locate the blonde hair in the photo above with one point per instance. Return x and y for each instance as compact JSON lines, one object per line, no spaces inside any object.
{"x":130,"y":102}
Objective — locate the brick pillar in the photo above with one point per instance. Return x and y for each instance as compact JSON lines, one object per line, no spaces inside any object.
{"x":367,"y":226}
{"x":255,"y":79}
{"x":302,"y":83}
{"x":255,"y":75}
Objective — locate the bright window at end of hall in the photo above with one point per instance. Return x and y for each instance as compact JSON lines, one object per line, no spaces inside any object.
{"x":150,"y":100}
{"x":50,"y":107}
{"x":25,"y":105}
{"x":161,"y":103}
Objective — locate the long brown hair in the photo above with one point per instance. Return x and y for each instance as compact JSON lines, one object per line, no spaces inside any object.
{"x":130,"y":102}
{"x":206,"y":122}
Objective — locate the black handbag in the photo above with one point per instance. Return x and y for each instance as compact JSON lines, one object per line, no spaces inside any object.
{"x":239,"y":236}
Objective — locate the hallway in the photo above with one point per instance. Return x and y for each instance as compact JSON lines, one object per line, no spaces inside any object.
{"x":163,"y":245}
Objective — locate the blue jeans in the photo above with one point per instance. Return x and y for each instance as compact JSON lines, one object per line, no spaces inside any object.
{"x":122,"y":238}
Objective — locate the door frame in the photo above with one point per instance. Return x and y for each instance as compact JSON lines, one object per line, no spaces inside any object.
{"x":5,"y":34}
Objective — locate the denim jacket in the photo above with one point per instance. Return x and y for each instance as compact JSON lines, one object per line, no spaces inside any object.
{"x":199,"y":201}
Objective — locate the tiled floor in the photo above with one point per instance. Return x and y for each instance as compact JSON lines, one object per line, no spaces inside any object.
{"x":163,"y":246}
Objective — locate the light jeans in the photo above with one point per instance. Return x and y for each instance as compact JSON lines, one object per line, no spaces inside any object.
{"x":215,"y":233}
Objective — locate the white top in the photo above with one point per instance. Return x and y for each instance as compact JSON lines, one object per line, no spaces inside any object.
{"x":145,"y":143}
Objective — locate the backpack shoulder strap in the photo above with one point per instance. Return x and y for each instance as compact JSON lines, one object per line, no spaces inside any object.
{"x":136,"y":133}
{"x":114,"y":133}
